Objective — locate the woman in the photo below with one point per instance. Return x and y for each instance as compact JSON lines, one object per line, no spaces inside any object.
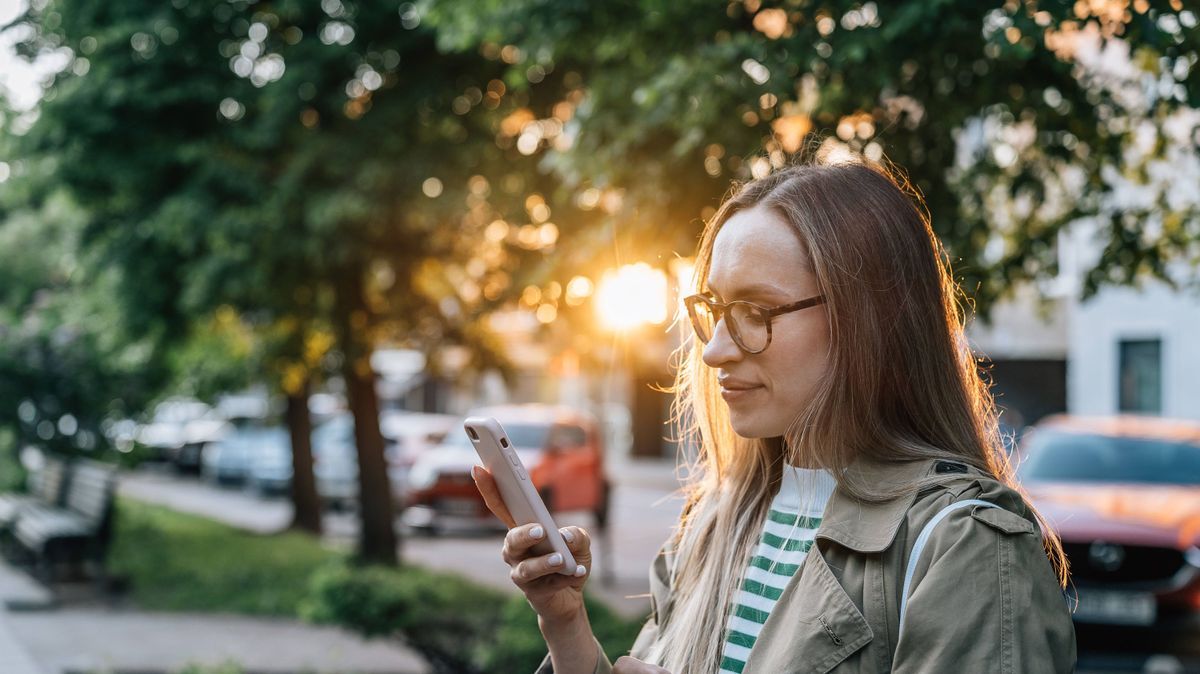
{"x":852,"y":508}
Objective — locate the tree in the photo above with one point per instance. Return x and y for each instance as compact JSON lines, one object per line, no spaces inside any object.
{"x":306,"y":166}
{"x":978,"y":102}
{"x":68,"y":363}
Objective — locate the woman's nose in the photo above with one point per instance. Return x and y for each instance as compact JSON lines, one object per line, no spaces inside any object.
{"x":721,"y":348}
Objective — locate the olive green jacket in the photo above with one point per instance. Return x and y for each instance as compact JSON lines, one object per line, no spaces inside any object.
{"x":982,"y":594}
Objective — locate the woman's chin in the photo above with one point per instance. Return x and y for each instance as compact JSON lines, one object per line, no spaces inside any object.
{"x":746,"y":427}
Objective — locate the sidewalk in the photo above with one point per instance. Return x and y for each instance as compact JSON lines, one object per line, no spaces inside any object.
{"x":41,"y":639}
{"x":14,"y":658}
{"x":17,"y":591}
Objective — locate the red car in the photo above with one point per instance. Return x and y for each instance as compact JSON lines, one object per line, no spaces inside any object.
{"x":1124,"y":495}
{"x":560,"y":446}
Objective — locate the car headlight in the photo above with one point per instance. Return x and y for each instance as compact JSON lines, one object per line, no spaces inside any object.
{"x":422,"y":477}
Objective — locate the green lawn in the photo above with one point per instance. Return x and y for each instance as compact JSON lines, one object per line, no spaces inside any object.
{"x":180,"y":562}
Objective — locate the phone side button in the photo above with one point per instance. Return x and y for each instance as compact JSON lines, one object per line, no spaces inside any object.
{"x":512,"y":458}
{"x":521,"y":473}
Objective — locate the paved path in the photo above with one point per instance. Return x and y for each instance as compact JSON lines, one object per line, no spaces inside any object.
{"x":37,"y":636}
{"x":87,"y":640}
{"x":18,"y":591}
{"x":14,"y":657}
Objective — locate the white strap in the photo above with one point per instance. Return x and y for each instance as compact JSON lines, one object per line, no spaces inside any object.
{"x":923,"y":539}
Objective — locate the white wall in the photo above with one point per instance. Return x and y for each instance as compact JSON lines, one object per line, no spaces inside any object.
{"x":1099,"y":325}
{"x":1022,"y":327}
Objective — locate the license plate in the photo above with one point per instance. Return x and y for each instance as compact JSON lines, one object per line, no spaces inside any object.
{"x":1116,"y":608}
{"x":459,"y":506}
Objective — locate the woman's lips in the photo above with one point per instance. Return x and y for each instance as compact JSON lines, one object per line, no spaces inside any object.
{"x":738,"y":392}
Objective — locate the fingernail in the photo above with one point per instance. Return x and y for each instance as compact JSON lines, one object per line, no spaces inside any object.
{"x":474,"y":476}
{"x":555,"y":559}
{"x":579,"y":570}
{"x":567,"y":535}
{"x":537,"y":532}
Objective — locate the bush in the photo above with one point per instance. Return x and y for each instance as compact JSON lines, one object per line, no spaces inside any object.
{"x":12,"y":473}
{"x":519,"y":646}
{"x":456,"y":625}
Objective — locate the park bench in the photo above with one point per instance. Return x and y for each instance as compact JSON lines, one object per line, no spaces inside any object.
{"x":45,"y":488}
{"x":79,"y":530}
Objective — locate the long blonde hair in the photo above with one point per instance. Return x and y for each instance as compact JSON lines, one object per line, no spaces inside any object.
{"x":902,"y":385}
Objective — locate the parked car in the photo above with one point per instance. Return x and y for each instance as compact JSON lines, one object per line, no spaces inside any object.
{"x":270,"y":471}
{"x":335,"y":461}
{"x":179,"y":431}
{"x":232,"y":459}
{"x":1124,"y":495}
{"x":408,"y":435}
{"x":561,"y":447}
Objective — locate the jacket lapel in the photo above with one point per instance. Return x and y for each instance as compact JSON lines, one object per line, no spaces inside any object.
{"x":814,"y":626}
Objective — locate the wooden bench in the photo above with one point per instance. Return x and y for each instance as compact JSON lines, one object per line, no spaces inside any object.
{"x":77,"y":532}
{"x":45,"y":488}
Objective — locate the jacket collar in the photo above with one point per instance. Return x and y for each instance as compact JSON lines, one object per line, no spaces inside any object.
{"x":871,"y":527}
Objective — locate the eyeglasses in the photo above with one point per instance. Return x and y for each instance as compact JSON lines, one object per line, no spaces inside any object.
{"x":749,"y":324}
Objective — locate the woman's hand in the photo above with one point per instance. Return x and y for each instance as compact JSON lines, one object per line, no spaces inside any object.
{"x":554,"y":596}
{"x":628,"y":665}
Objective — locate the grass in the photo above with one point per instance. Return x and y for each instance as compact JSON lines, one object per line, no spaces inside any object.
{"x":180,"y":562}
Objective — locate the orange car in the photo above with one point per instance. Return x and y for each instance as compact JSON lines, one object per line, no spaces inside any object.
{"x":1124,"y":494}
{"x":560,"y":446}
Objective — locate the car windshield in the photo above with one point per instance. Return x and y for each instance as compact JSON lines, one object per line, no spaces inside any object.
{"x":1080,"y":457}
{"x":522,"y":435}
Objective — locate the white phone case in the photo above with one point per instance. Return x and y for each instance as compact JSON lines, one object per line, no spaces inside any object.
{"x":523,"y":501}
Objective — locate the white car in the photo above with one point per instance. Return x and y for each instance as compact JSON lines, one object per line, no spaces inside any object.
{"x":232,"y":459}
{"x":407,"y":435}
{"x":180,"y":429}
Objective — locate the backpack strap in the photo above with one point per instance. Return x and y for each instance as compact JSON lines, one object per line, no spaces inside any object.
{"x":922,"y":539}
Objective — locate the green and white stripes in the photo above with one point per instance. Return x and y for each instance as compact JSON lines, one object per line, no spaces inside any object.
{"x":785,"y":541}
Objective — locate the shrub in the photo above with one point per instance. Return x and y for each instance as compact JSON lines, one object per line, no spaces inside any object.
{"x":456,"y":625}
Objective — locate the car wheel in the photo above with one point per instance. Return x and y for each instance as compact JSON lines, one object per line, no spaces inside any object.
{"x":430,"y":530}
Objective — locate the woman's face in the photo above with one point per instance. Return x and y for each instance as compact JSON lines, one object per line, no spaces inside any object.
{"x":757,"y":257}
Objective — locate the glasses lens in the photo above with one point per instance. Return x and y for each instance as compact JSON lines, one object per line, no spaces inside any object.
{"x":703,"y":319}
{"x":749,"y":326}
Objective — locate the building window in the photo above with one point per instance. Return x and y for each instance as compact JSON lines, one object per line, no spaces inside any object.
{"x":1140,"y":385}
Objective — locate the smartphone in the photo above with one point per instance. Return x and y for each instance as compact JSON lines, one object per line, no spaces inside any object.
{"x":500,"y":458}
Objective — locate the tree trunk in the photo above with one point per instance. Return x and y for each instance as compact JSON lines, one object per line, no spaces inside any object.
{"x":306,"y":505}
{"x":377,"y":538}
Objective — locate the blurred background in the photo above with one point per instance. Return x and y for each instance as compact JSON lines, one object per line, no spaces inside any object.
{"x":258,"y":260}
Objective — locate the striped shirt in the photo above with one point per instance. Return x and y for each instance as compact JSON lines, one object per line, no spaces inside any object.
{"x":786,"y":538}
